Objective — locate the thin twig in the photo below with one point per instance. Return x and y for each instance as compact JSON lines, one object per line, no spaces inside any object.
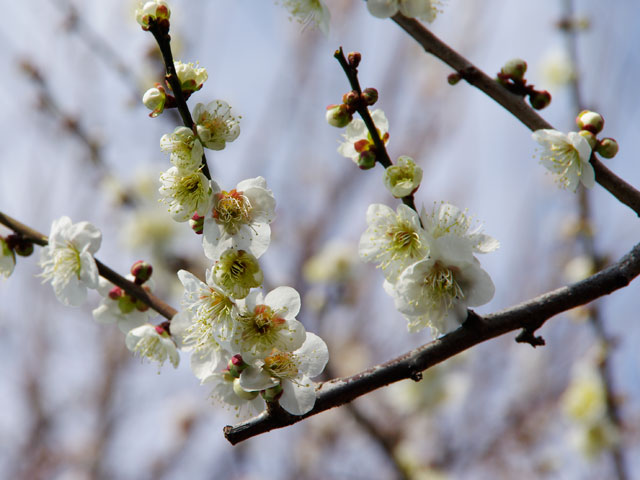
{"x":131,"y":288}
{"x":382,"y":156}
{"x":474,"y":331}
{"x":620,"y":189}
{"x":164,"y":44}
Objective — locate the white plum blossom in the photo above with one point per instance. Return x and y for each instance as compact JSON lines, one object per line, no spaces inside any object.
{"x":184,"y":148}
{"x":292,"y":371}
{"x":191,"y":76}
{"x":447,"y":218}
{"x":215,"y":124}
{"x":239,"y":219}
{"x":185,"y":192}
{"x":237,"y":272}
{"x":7,"y":259}
{"x":393,"y":240}
{"x":310,"y":12}
{"x":402,"y":178}
{"x":567,"y":157}
{"x":268,"y":322}
{"x":152,"y":343}
{"x":436,"y":291}
{"x":423,"y":9}
{"x":228,"y":392}
{"x":207,"y":356}
{"x":120,"y":310}
{"x":211,"y":310}
{"x":357,"y":138}
{"x":67,"y":261}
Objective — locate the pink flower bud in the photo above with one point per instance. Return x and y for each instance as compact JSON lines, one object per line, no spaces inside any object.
{"x":354,"y":59}
{"x":197,"y":223}
{"x":142,"y":271}
{"x":115,"y":293}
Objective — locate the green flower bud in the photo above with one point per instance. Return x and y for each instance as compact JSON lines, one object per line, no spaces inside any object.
{"x":607,"y":148}
{"x":338,"y":115}
{"x":590,"y":121}
{"x":514,"y":69}
{"x":540,"y":100}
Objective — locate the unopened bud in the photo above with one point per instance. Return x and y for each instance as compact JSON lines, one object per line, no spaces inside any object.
{"x":142,"y":271}
{"x":607,"y":148}
{"x":540,"y":100}
{"x":366,"y":160}
{"x":241,"y":392}
{"x":24,"y":247}
{"x":514,"y":69}
{"x":126,"y":304}
{"x":338,"y":115}
{"x":141,"y":306}
{"x":236,"y":365}
{"x":454,"y":78}
{"x":115,"y":293}
{"x":350,"y":98}
{"x":590,"y":137}
{"x":154,"y":99}
{"x":197,"y":223}
{"x":590,"y":121}
{"x":354,"y":59}
{"x":160,"y":330}
{"x":272,"y":394}
{"x":370,"y":96}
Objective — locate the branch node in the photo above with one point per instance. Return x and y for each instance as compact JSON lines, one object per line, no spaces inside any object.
{"x":527,"y":336}
{"x":416,"y":376}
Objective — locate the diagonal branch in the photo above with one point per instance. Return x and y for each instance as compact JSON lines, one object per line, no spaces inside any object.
{"x":620,"y":189}
{"x":131,"y":288}
{"x":476,"y":329}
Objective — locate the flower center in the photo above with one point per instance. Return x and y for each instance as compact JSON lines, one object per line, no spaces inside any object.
{"x":232,"y":210}
{"x":281,"y":364}
{"x":238,"y":271}
{"x":442,"y":285}
{"x":403,"y":242}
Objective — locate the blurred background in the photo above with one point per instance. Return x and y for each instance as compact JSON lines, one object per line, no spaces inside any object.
{"x":76,"y":140}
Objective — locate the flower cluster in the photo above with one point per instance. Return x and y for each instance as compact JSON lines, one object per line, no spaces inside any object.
{"x":568,"y":156}
{"x":248,"y":346}
{"x":428,"y":263}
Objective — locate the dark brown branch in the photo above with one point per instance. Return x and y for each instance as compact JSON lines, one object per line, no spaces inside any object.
{"x":620,"y":189}
{"x":131,"y":288}
{"x":526,"y":315}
